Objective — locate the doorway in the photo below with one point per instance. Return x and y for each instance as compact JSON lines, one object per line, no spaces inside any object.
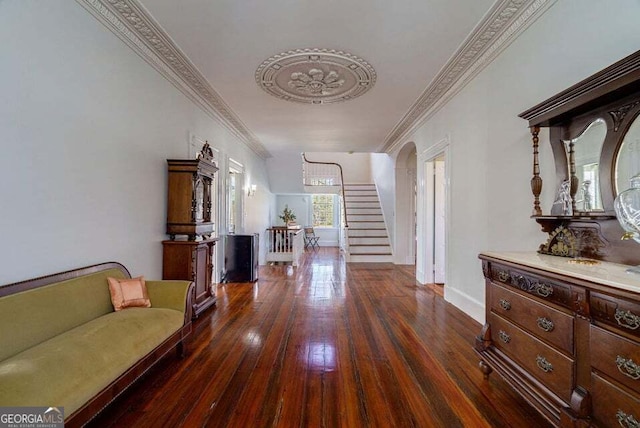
{"x":439,"y":195}
{"x":435,"y":218}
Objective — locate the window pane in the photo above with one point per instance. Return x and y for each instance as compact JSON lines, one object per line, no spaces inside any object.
{"x":323,"y":210}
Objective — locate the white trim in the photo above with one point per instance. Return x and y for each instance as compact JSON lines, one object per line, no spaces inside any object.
{"x":424,"y":259}
{"x":436,"y":149}
{"x":470,"y":306}
{"x":506,"y":20}
{"x":238,"y":169}
{"x":236,"y":166}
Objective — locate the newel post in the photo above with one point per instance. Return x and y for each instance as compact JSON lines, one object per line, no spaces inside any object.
{"x":536,"y":180}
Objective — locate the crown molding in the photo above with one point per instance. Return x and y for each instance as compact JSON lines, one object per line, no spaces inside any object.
{"x":506,"y":20}
{"x":133,"y":24}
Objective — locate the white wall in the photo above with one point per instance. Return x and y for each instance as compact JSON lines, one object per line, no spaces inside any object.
{"x":490,"y":147}
{"x":285,"y":172}
{"x":384,"y":177}
{"x":300,"y":205}
{"x":86,"y":129}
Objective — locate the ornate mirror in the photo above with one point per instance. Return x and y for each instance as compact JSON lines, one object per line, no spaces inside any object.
{"x":594,"y":134}
{"x":628,"y":157}
{"x":584,"y":153}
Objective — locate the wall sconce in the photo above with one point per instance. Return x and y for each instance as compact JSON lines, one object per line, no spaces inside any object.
{"x":251,"y":191}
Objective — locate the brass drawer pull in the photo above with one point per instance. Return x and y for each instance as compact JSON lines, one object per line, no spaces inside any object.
{"x":627,"y":421}
{"x":627,"y":319}
{"x":503,"y":276}
{"x":544,"y":290}
{"x":545,"y":324}
{"x":628,"y":368}
{"x":505,"y":304}
{"x":504,"y":336}
{"x":543,"y":364}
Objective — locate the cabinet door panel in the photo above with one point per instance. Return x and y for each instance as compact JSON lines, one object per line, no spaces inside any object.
{"x":201,"y":273}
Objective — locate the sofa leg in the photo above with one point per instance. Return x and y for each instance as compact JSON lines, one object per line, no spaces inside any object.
{"x":180,"y":348}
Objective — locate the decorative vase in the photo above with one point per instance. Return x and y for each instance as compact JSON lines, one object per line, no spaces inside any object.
{"x":627,"y":207}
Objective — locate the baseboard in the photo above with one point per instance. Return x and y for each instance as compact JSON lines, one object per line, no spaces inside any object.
{"x":420,"y":277}
{"x":466,"y":303}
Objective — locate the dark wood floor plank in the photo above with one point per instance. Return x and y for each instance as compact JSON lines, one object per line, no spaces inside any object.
{"x":325,"y":344}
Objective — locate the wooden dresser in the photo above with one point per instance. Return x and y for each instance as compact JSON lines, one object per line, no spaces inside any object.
{"x":565,"y":336}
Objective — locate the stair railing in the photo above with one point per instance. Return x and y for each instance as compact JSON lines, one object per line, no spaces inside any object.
{"x":344,"y":205}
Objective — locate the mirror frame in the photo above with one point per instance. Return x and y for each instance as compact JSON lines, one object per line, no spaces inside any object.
{"x":633,"y":116}
{"x":613,"y":95}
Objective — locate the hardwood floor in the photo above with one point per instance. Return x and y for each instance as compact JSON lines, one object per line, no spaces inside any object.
{"x":326,"y":344}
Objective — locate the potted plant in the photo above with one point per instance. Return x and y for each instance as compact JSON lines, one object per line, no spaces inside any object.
{"x":287,"y":216}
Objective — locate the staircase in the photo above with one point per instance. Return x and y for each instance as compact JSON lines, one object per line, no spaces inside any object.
{"x":367,"y":233}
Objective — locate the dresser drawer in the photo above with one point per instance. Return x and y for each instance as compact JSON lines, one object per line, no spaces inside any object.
{"x":553,"y":291}
{"x":548,"y":324}
{"x":613,"y":407}
{"x":549,"y":366}
{"x":616,"y":356}
{"x":620,"y":313}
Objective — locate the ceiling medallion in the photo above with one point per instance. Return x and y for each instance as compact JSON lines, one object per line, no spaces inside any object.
{"x":315,"y":76}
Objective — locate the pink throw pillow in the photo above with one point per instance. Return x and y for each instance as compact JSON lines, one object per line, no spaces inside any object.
{"x":128,"y":293}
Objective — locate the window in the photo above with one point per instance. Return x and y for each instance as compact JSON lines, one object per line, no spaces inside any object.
{"x":323,"y":211}
{"x":233,"y":204}
{"x":235,"y":209}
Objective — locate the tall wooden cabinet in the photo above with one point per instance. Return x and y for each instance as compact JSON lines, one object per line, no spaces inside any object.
{"x":190,"y":252}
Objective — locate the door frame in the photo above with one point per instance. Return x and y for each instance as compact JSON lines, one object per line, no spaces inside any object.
{"x":404,"y":236}
{"x":426,"y":163}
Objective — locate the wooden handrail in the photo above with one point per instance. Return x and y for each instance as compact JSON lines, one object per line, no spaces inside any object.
{"x":344,"y":201}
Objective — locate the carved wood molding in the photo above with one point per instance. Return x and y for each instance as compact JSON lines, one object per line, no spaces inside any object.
{"x":504,"y":22}
{"x":604,"y":87}
{"x":136,"y":27}
{"x":619,"y":114}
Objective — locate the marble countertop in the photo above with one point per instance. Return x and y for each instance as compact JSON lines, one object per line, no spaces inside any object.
{"x":605,"y":273}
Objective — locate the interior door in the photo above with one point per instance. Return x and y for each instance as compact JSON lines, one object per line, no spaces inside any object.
{"x":439,"y":223}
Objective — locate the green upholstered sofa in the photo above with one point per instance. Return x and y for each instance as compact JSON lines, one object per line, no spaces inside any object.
{"x":62,"y":344}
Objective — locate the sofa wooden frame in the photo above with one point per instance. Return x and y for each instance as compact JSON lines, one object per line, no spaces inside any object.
{"x":100,"y":401}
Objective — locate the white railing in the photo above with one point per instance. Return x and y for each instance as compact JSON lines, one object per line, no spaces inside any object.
{"x":285,"y":245}
{"x":321,"y":174}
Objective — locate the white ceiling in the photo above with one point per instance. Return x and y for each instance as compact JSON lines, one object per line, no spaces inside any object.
{"x":407,"y":42}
